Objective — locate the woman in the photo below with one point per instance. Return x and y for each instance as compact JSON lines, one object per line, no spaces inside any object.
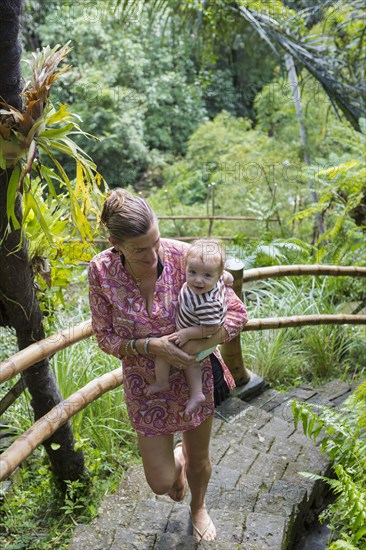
{"x":134,"y":290}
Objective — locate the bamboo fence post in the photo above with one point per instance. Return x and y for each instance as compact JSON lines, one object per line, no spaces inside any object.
{"x":41,"y":430}
{"x":231,"y":351}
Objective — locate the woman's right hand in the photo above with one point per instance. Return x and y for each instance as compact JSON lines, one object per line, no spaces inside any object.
{"x":164,"y":347}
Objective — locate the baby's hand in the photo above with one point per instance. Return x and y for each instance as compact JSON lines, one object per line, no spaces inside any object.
{"x":228,"y":278}
{"x":179,"y":338}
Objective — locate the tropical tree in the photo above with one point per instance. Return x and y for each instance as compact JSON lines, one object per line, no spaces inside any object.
{"x":285,"y":31}
{"x":28,"y":124}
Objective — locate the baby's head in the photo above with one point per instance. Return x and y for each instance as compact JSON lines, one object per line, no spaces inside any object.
{"x":205,"y":264}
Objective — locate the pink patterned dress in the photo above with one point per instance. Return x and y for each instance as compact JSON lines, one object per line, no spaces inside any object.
{"x":119,"y":312}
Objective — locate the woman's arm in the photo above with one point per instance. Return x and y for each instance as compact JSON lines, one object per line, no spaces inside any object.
{"x":196,"y":332}
{"x":176,"y":356}
{"x":236,"y":316}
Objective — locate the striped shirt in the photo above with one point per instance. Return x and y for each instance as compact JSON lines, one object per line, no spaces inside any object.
{"x":208,"y":308}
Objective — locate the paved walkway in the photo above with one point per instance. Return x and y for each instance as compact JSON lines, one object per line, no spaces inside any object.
{"x":256,"y":496}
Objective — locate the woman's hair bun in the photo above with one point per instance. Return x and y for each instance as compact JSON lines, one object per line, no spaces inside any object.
{"x":114,"y":203}
{"x":126,"y":215}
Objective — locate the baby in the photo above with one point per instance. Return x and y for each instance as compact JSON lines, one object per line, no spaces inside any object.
{"x":201,"y":313}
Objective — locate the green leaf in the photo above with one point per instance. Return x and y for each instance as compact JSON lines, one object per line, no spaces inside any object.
{"x":57,"y":133}
{"x":33,"y":204}
{"x":311,"y":426}
{"x":295,"y":412}
{"x":61,"y":114}
{"x":304,"y":419}
{"x":55,"y":446}
{"x":360,"y":533}
{"x":11,"y":196}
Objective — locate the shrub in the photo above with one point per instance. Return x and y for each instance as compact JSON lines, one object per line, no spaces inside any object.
{"x":342,"y":438}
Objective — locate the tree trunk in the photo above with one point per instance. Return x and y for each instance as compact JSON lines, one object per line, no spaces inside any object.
{"x":19,"y":307}
{"x":292,"y":76}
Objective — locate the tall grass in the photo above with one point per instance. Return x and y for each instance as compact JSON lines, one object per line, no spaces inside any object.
{"x":286,"y":357}
{"x":104,"y":422}
{"x":35,"y":514}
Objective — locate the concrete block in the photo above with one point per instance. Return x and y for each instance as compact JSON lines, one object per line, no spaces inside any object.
{"x":265,"y":530}
{"x":239,"y":458}
{"x":170,"y":541}
{"x":257,"y":441}
{"x":268,"y":467}
{"x":277,"y":427}
{"x":179,"y":521}
{"x":229,"y":525}
{"x":134,"y":485}
{"x":218,"y":449}
{"x":128,"y":539}
{"x":288,"y":450}
{"x":151,"y":516}
{"x":85,"y":538}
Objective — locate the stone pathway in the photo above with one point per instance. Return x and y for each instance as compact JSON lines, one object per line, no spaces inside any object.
{"x":256,"y":497}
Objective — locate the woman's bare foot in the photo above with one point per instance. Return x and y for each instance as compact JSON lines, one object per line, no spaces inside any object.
{"x":194,"y":403}
{"x":178,"y":491}
{"x":203,"y":527}
{"x":156,"y":388}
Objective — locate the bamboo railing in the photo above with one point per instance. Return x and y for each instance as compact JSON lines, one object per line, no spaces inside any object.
{"x":43,"y":428}
{"x":48,"y":424}
{"x":231,"y":352}
{"x":298,"y":269}
{"x":44,"y":348}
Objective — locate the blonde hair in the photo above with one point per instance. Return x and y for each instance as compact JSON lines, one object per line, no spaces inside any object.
{"x":208,"y":251}
{"x":126,"y":215}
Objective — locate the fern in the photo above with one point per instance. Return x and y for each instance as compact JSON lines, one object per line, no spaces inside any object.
{"x":341,"y":434}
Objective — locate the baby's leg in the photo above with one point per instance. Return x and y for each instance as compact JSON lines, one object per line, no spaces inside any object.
{"x":194,"y":379}
{"x":162,"y":370}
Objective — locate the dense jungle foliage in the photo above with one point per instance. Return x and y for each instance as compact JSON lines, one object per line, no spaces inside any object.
{"x":199,"y":117}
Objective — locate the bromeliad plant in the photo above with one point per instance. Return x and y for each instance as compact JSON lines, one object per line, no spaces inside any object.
{"x":54,"y":204}
{"x":342,"y":434}
{"x":42,"y":128}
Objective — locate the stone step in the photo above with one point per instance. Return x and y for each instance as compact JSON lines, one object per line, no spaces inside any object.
{"x":332,"y":394}
{"x":256,"y":497}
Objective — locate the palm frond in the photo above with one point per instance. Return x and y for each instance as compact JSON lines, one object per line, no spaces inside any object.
{"x":320,"y":60}
{"x":314,"y":55}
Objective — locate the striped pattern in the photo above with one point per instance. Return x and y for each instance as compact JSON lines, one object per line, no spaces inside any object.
{"x":208,"y":308}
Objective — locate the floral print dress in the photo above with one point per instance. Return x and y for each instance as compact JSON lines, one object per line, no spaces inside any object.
{"x":119,"y":312}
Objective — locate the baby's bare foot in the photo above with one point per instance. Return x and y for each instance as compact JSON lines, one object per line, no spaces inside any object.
{"x":156,"y":388}
{"x":203,"y":527}
{"x":194,"y":403}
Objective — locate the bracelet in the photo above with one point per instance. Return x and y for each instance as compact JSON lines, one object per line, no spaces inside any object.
{"x":133,"y":346}
{"x":126,"y":347}
{"x":146,"y":345}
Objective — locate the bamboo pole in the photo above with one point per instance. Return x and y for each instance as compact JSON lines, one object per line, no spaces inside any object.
{"x":44,"y":348}
{"x":268,"y":323}
{"x":41,"y":430}
{"x":231,"y":351}
{"x":208,"y":217}
{"x":298,"y":269}
{"x":13,"y":366}
{"x":213,"y":218}
{"x":12,"y":396}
